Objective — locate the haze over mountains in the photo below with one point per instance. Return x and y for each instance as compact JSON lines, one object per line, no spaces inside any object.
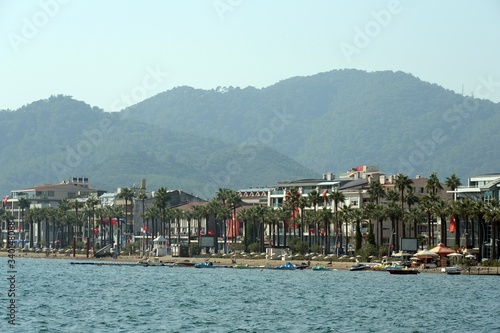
{"x":302,"y":127}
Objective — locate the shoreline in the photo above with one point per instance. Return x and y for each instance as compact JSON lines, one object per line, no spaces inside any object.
{"x":335,"y":265}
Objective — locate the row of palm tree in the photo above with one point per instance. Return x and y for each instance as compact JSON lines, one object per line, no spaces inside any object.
{"x":399,"y":205}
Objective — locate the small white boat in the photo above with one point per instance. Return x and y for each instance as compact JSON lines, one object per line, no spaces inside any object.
{"x":452,"y":270}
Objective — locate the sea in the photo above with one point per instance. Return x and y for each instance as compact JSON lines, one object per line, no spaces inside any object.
{"x":51,"y":295}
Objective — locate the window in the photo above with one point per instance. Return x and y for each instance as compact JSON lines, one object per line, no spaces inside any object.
{"x":50,"y":193}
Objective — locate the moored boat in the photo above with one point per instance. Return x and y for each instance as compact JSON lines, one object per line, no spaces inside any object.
{"x":287,"y":266}
{"x":452,"y":270}
{"x":206,"y":264}
{"x":402,"y":271}
{"x":358,"y":267}
{"x":321,"y":268}
{"x":185,"y":264}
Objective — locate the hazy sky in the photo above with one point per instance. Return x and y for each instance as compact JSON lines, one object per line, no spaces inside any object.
{"x":112,"y":54}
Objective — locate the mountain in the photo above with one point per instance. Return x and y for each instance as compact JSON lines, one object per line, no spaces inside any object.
{"x":52,"y":140}
{"x":201,"y":140}
{"x":335,"y":120}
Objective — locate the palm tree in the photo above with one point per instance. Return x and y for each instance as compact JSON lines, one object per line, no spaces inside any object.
{"x":128,"y":195}
{"x":415,"y":217}
{"x":393,"y":212}
{"x":427,"y":205}
{"x":357,"y":216}
{"x":198,"y":212}
{"x":161,"y":200}
{"x":441,"y":209}
{"x":219,"y":212}
{"x":347,"y":213}
{"x":466,"y":210}
{"x":177,"y":214}
{"x":152,"y":213}
{"x":143,"y":197}
{"x":453,"y":182}
{"x":492,"y":216}
{"x":376,"y":192}
{"x":379,"y":214}
{"x":337,"y":197}
{"x":302,"y":204}
{"x":76,"y":205}
{"x":262,"y":213}
{"x":245,"y":215}
{"x":326,"y":216}
{"x":313,"y":198}
{"x":403,"y":184}
{"x":292,"y":198}
{"x":90,"y":204}
{"x":478,"y":211}
{"x":188,"y":215}
{"x":34,"y":215}
{"x":23,"y":204}
{"x":433,"y":184}
{"x":229,"y":199}
{"x":455,"y":213}
{"x":234,"y":201}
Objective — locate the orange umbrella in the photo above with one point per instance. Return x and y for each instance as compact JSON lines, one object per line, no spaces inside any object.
{"x":442,"y":250}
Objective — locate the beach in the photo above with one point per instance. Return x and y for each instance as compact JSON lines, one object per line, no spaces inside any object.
{"x":228,"y":261}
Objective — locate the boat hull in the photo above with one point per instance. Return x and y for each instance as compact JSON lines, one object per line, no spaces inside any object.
{"x":403,"y":271}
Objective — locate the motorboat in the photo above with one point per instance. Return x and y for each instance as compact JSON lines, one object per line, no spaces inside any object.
{"x":321,"y":268}
{"x":287,"y":266}
{"x":185,"y":264}
{"x":206,"y":264}
{"x":454,"y":270}
{"x":358,"y":267}
{"x":394,"y":270}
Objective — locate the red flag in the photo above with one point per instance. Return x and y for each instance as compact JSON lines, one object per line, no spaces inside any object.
{"x":311,"y":231}
{"x":452,"y":225}
{"x":325,"y":192}
{"x":96,"y":231}
{"x":210,"y":232}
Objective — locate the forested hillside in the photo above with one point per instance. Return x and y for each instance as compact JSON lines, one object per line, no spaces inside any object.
{"x":59,"y":138}
{"x":301,"y":127}
{"x":335,"y":120}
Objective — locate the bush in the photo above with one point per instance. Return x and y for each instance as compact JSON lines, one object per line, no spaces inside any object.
{"x":254,"y":247}
{"x":131,"y":247}
{"x":194,"y":250}
{"x":237,"y":247}
{"x":315,"y":248}
{"x":382,"y":251}
{"x":368,"y":250}
{"x":297,"y":246}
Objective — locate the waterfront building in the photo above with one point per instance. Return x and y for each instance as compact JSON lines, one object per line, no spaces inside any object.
{"x":485,"y":188}
{"x":44,"y":196}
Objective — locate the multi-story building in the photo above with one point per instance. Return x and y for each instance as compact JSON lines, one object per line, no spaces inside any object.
{"x":44,"y":196}
{"x":484,"y":188}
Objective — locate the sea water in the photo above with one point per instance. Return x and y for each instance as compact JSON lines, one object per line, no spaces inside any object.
{"x":54,"y":296}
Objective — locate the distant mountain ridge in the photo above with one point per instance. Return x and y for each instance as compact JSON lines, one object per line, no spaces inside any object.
{"x":335,"y":120}
{"x":52,"y":140}
{"x":201,"y":140}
